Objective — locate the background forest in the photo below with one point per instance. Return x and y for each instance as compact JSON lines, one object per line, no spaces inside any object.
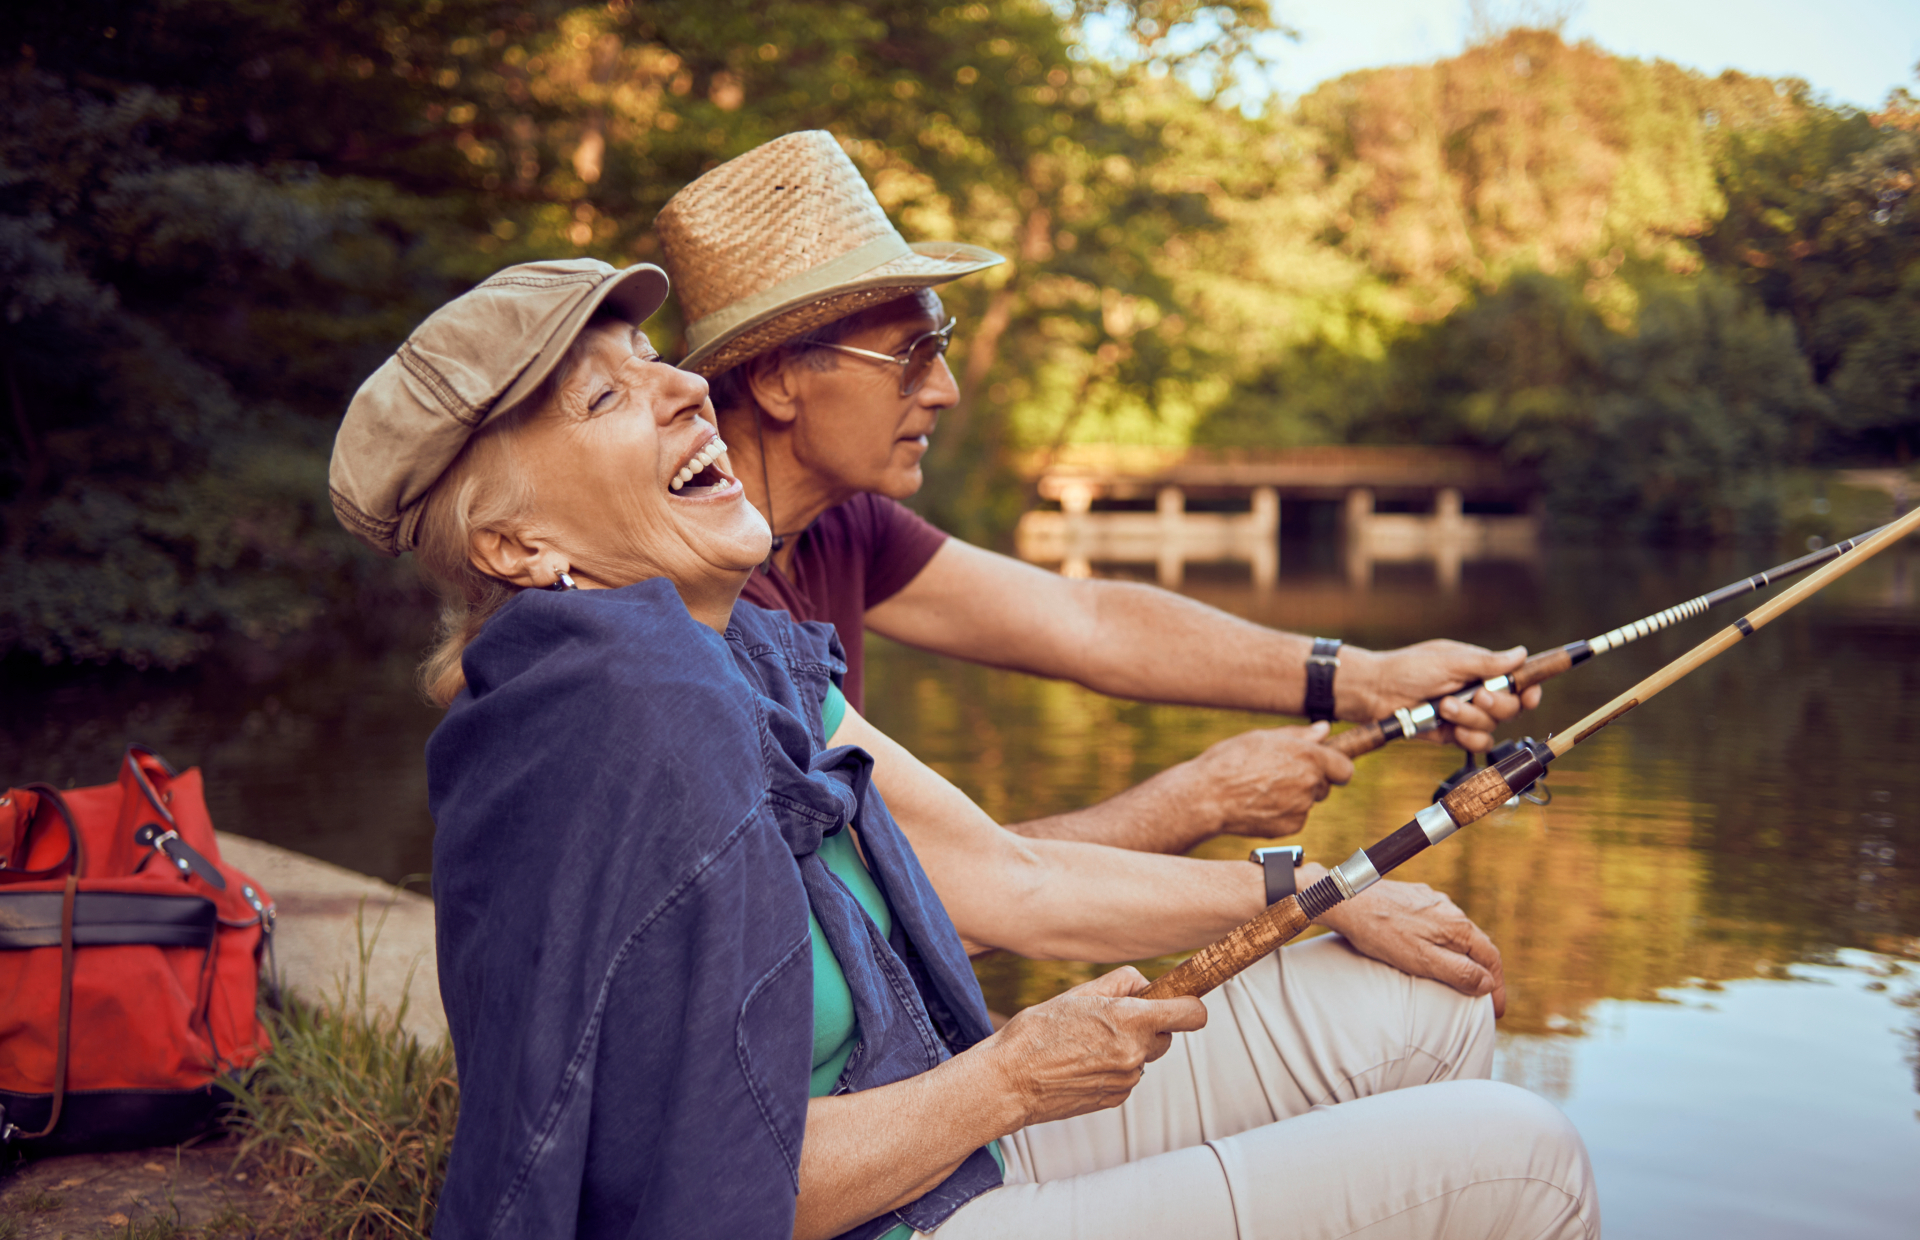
{"x":217,"y":216}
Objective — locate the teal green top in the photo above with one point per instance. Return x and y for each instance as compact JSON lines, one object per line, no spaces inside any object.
{"x":833,"y":711}
{"x":836,"y":1030}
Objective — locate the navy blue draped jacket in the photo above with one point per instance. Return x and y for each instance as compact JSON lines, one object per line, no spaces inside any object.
{"x":627,"y":808}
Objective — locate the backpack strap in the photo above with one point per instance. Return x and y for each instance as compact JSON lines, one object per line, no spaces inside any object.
{"x":74,"y":862}
{"x":26,"y":806}
{"x":64,"y":1032}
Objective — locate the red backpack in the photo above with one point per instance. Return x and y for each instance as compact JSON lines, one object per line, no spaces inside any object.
{"x":129,"y":962}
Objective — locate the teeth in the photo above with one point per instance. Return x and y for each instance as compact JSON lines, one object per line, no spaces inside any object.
{"x":700,"y":461}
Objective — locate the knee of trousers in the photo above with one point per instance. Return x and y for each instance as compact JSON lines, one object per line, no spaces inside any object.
{"x":1503,"y":1157}
{"x":1520,"y":1131}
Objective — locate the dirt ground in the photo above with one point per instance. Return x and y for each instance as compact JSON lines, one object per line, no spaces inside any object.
{"x":160,"y":1194}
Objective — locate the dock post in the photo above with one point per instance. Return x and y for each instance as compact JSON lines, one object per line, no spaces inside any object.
{"x":1359,"y":555}
{"x":1265,"y":533}
{"x":1076,"y":498}
{"x":1449,"y":538}
{"x":1172,"y":506}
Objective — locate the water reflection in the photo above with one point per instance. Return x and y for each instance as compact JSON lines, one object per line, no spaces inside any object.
{"x":1764,"y":809}
{"x":1759,"y":1108}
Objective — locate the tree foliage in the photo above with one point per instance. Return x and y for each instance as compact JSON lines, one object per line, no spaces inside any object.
{"x":1658,"y":287}
{"x":217,"y":216}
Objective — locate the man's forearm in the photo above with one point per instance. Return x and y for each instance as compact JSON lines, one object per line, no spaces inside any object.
{"x":1135,"y":641}
{"x":1050,"y":899}
{"x":1162,"y":815}
{"x":1155,"y":645}
{"x":1117,"y":638}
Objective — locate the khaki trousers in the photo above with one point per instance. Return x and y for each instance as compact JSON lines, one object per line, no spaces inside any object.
{"x":1328,"y":1096}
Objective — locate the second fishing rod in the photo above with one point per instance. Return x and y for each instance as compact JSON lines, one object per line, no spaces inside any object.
{"x":1418,"y":720}
{"x":1477,"y":797}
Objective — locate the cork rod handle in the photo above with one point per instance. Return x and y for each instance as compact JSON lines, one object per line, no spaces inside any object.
{"x":1543,"y":666}
{"x":1363,"y":738}
{"x":1214,"y":964}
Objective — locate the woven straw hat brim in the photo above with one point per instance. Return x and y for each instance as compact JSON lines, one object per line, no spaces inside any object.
{"x":930,"y":263}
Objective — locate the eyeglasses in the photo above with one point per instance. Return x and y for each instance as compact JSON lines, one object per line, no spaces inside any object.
{"x":915,"y":361}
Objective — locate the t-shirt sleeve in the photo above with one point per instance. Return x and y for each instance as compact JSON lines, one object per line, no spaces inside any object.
{"x":833,"y":711}
{"x":899,"y":544}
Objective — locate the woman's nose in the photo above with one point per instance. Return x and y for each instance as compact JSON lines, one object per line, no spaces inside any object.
{"x":684,"y":391}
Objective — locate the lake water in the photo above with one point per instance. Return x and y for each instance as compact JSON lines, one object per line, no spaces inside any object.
{"x":1711,"y":935}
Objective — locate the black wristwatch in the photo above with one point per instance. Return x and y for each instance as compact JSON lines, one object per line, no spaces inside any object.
{"x":1279,"y":863}
{"x":1322,"y":663}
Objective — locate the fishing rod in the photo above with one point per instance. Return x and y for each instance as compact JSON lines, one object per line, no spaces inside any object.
{"x":1479,"y":796}
{"x":1417,"y":720}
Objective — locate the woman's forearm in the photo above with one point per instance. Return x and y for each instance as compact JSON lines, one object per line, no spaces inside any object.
{"x":1054,"y":899}
{"x":875,"y":1150}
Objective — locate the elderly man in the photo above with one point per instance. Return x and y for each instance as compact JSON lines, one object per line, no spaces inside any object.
{"x":824,"y":341}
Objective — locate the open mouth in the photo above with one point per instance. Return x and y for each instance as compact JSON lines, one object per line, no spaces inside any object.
{"x":702,"y":475}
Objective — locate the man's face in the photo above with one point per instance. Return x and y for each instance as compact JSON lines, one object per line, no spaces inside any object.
{"x":855,"y":432}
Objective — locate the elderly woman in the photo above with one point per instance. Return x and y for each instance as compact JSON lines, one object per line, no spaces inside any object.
{"x":697,"y":980}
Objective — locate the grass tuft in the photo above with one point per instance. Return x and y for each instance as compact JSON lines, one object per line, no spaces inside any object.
{"x":39,"y":1201}
{"x":353,"y":1115}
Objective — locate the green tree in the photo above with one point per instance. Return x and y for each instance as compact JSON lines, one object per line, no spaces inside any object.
{"x":215,"y":217}
{"x":1822,"y":225}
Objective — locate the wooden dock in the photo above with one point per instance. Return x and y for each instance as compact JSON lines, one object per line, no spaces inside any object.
{"x":1123,"y":505}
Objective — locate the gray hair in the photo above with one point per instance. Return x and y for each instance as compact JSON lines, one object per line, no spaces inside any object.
{"x":729,"y":388}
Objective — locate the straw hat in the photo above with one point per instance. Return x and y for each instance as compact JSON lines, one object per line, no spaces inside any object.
{"x":784,"y":239}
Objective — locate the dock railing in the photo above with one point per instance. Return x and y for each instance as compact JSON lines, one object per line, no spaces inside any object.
{"x":1445,"y":505}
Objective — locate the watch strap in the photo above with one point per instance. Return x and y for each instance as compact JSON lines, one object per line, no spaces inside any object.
{"x":1278,"y":864}
{"x":1322,"y":663}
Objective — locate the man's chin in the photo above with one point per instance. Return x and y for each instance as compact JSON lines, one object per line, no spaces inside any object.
{"x":901,"y":483}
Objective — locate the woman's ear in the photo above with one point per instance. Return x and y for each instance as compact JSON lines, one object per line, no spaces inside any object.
{"x":514,"y":558}
{"x":773,"y":380}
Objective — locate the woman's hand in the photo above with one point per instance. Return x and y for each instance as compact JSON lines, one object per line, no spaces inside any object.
{"x":1084,"y":1050}
{"x":876,"y":1149}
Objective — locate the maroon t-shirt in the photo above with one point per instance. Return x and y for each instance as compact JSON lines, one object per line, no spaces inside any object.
{"x":855,"y":556}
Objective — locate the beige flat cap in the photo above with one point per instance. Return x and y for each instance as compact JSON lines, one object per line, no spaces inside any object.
{"x":774,"y":243}
{"x":474,"y":358}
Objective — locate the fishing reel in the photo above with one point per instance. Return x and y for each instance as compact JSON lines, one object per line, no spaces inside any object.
{"x":1535,"y":793}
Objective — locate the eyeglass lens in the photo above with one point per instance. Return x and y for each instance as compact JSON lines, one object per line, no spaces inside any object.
{"x":920,"y":357}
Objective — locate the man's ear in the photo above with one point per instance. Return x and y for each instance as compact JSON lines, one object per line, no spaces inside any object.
{"x":514,"y":558}
{"x":773,"y":381}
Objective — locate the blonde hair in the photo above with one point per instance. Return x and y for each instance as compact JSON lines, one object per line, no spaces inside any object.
{"x":486,"y":487}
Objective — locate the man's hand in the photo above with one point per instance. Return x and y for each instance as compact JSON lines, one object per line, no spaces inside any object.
{"x":1419,"y":931}
{"x":1387,"y":680}
{"x":1264,"y":782}
{"x":1258,"y":783}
